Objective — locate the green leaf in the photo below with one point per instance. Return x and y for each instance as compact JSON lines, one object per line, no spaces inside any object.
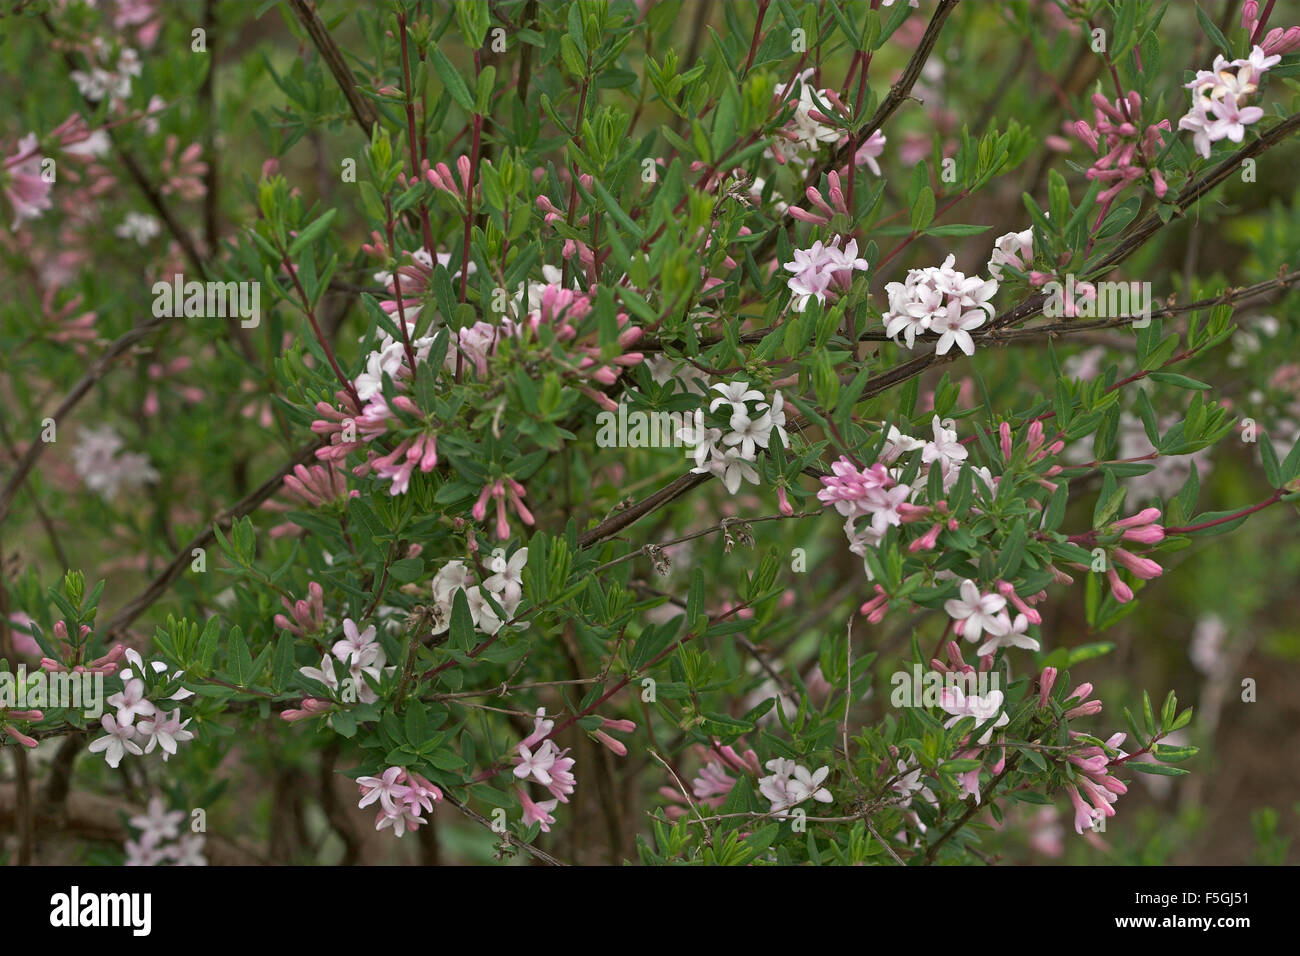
{"x":238,"y":660}
{"x":1156,"y":769}
{"x":207,"y":649}
{"x":311,"y":233}
{"x":1213,"y":32}
{"x":282,"y":667}
{"x":695,"y":598}
{"x":923,"y":209}
{"x":451,"y":79}
{"x":1182,"y":381}
{"x":615,"y":210}
{"x":1268,"y":455}
{"x":462,"y":623}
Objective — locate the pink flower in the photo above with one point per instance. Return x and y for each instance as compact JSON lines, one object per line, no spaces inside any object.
{"x":1142,"y":527}
{"x":975,"y":612}
{"x":1231,"y":120}
{"x":870,"y":150}
{"x":165,"y":731}
{"x":537,"y":812}
{"x":387,"y":789}
{"x":130,"y":702}
{"x":536,"y":765}
{"x":24,"y":185}
{"x":821,"y":269}
{"x":117,"y":742}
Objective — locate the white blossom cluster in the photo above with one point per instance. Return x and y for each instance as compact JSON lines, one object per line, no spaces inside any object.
{"x":106,"y":470}
{"x":940,"y":300}
{"x":505,"y":585}
{"x":157,"y":728}
{"x":729,"y":453}
{"x":161,"y":841}
{"x":100,"y":82}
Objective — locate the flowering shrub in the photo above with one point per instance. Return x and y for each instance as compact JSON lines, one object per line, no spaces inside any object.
{"x":311,"y":527}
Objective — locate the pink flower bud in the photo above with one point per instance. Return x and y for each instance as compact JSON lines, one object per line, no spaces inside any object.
{"x":1046,"y":680}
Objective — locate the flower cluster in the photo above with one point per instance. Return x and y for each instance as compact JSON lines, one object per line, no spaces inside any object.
{"x":362,"y":657}
{"x":877,"y":493}
{"x":160,"y":841}
{"x":100,"y":82}
{"x":822,"y":270}
{"x":1125,"y":152}
{"x":790,"y":784}
{"x":1090,"y":771}
{"x":1217,"y":94}
{"x":729,"y":453}
{"x":941,"y":301}
{"x":807,"y":129}
{"x":563,"y":311}
{"x":540,"y":760}
{"x":402,"y":794}
{"x":504,"y":586}
{"x":157,"y":729}
{"x":106,"y":469}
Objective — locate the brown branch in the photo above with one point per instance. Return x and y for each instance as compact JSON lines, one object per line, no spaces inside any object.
{"x":362,"y":108}
{"x":507,"y":836}
{"x":633,"y":513}
{"x":138,"y":604}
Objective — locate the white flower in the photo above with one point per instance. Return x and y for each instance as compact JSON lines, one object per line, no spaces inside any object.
{"x":748,"y":432}
{"x":897,"y":444}
{"x":976,"y":612}
{"x":138,"y":667}
{"x":983,"y":709}
{"x":945,"y":448}
{"x":117,"y":742}
{"x":954,"y":328}
{"x":1015,"y":249}
{"x":97,"y":461}
{"x":157,"y":821}
{"x":188,"y":850}
{"x":130,"y":702}
{"x":324,"y":674}
{"x":702,"y":441}
{"x":1013,"y":634}
{"x":809,"y":132}
{"x":143,"y":852}
{"x":737,"y":393}
{"x":777,"y":414}
{"x":452,"y":577}
{"x":910,"y":783}
{"x":507,"y":583}
{"x":731,"y":468}
{"x":790,"y":784}
{"x":138,"y":227}
{"x":485,"y":619}
{"x":165,"y":731}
